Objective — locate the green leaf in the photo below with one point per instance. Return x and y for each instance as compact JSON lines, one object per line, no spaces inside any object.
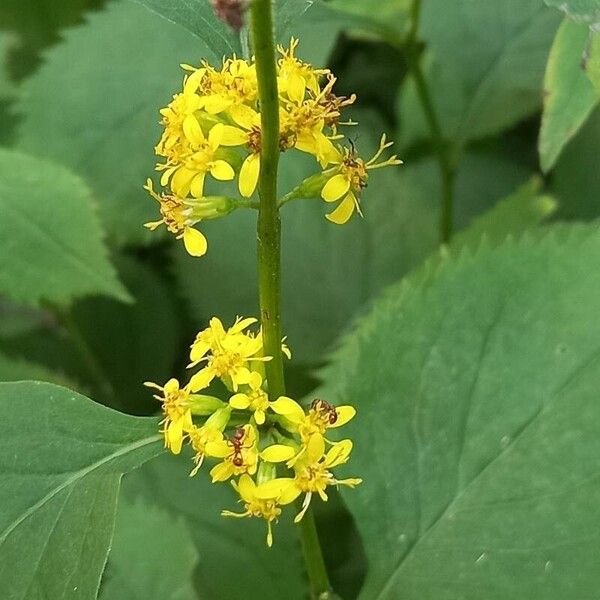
{"x":61,"y":460}
{"x":233,"y":552}
{"x":390,"y":16}
{"x":592,"y":64}
{"x":100,"y":117}
{"x":478,"y":425}
{"x":51,"y":241}
{"x":575,"y":179}
{"x":569,"y":95}
{"x":486,"y":66}
{"x":12,"y":369}
{"x":582,"y":11}
{"x":330,"y":272}
{"x":152,"y":556}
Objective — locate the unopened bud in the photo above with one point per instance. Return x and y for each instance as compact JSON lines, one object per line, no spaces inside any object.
{"x":219,"y":418}
{"x":202,"y":405}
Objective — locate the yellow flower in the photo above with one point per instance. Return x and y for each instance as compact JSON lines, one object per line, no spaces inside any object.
{"x":312,"y":474}
{"x":255,"y":399}
{"x":175,"y":215}
{"x":349,"y":179}
{"x":256,"y":504}
{"x":294,"y":76}
{"x":177,"y":413}
{"x":187,"y":175}
{"x":320,"y":417}
{"x":227,"y":353}
{"x":239,"y":454}
{"x":206,"y":440}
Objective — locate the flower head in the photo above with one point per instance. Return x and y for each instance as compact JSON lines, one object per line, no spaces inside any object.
{"x":177,"y":413}
{"x":349,"y":178}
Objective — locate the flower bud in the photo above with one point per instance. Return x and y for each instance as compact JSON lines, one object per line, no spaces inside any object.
{"x":266,"y":472}
{"x":219,"y":418}
{"x":202,"y":406}
{"x":208,"y":207}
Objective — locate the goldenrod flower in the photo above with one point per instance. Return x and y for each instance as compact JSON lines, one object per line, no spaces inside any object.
{"x":255,"y":398}
{"x":177,"y":413}
{"x":256,"y":503}
{"x":176,"y":217}
{"x":320,"y":416}
{"x":239,"y":454}
{"x":349,"y":178}
{"x":227,"y":354}
{"x":206,"y":440}
{"x":312,"y":474}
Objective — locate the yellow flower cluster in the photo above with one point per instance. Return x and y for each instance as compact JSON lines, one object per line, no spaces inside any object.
{"x":213,"y":128}
{"x":249,"y":435}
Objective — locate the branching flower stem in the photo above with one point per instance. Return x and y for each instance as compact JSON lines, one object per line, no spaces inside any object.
{"x":269,"y":255}
{"x":444,"y":158}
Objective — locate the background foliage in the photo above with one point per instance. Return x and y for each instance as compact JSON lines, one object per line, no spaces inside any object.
{"x":474,"y":367}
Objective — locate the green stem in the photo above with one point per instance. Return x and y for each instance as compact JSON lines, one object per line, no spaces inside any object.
{"x":269,"y":254}
{"x":444,"y":159}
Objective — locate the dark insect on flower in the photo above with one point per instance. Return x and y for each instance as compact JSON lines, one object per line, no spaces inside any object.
{"x":230,"y":12}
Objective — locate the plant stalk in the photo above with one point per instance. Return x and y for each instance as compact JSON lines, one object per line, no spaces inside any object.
{"x":269,"y":255}
{"x":444,"y":159}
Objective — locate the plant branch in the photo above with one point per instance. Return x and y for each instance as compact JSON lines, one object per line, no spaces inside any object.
{"x":269,"y":255}
{"x":444,"y":159}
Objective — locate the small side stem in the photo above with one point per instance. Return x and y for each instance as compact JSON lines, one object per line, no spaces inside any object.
{"x":444,"y":159}
{"x":269,"y":256}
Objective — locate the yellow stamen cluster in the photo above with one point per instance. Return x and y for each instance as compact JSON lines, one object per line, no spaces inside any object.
{"x":249,"y":435}
{"x":213,"y":128}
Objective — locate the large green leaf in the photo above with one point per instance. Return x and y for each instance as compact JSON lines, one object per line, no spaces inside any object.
{"x":234,"y":558}
{"x":390,"y":16}
{"x":330,"y":272}
{"x":478,"y":427}
{"x":94,"y":106}
{"x":152,"y":556}
{"x":486,"y":65}
{"x":61,"y":460}
{"x":575,"y":179}
{"x":592,"y":66}
{"x":569,"y":96}
{"x":582,"y":11}
{"x":198,"y":17}
{"x":51,"y":245}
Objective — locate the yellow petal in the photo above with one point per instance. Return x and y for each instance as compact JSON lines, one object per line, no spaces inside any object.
{"x":315,"y":447}
{"x":195,"y":243}
{"x":171,"y":386}
{"x":259,"y":416}
{"x":244,"y":116}
{"x":192,"y":130}
{"x":272,"y":489}
{"x":215,"y":104}
{"x":175,"y":436}
{"x":344,"y":210}
{"x":201,"y":380}
{"x":222,"y":170}
{"x":199,"y":349}
{"x":339,"y":453}
{"x":242,"y":324}
{"x":181,"y":181}
{"x":288,"y":408}
{"x":232,"y":136}
{"x":240,"y":377}
{"x":277,"y":453}
{"x":221,"y":472}
{"x":239,"y":401}
{"x":295,"y":87}
{"x":197,"y":185}
{"x":246,"y":487}
{"x":217,"y":449}
{"x":344,"y":414}
{"x":249,"y":175}
{"x":255,"y":381}
{"x":335,"y":188}
{"x":215,"y":135}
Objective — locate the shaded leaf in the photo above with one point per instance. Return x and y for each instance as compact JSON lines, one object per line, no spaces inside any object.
{"x":61,"y":460}
{"x":152,"y":556}
{"x":569,"y":96}
{"x":51,"y":241}
{"x":486,"y":65}
{"x":592,"y":61}
{"x":486,"y":483}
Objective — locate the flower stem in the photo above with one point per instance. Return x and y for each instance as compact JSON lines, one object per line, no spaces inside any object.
{"x":269,"y":254}
{"x":444,"y":159}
